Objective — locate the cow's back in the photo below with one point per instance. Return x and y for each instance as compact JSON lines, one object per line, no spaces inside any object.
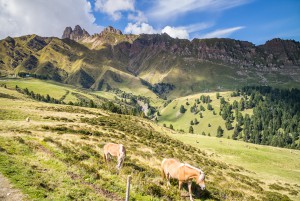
{"x":111,"y":148}
{"x":171,"y":166}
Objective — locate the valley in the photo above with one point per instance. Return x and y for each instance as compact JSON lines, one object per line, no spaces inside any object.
{"x":59,"y":152}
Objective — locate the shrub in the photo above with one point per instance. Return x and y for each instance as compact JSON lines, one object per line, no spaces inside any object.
{"x":276,"y":187}
{"x":274,"y":196}
{"x":48,"y":139}
{"x":182,"y":109}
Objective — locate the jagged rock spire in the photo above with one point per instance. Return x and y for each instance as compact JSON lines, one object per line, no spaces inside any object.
{"x":76,"y":34}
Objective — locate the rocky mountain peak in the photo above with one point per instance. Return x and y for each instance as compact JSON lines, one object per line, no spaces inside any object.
{"x":67,"y":32}
{"x":111,"y":29}
{"x":76,"y":34}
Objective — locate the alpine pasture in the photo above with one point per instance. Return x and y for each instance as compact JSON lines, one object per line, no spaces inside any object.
{"x":58,"y":155}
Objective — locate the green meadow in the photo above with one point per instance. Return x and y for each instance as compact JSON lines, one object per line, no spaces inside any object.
{"x":209,"y":121}
{"x":273,"y":164}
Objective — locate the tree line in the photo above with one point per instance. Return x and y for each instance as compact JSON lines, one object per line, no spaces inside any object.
{"x":275,"y":120}
{"x":107,"y":105}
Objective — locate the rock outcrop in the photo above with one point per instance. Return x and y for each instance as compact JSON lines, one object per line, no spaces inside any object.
{"x":76,"y":34}
{"x":111,"y":30}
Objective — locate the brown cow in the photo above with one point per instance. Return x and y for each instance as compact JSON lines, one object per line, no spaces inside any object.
{"x":117,"y":150}
{"x":172,"y":168}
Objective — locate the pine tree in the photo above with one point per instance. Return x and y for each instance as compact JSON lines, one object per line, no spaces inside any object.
{"x":201,"y":116}
{"x":236,"y":132}
{"x":202,"y":108}
{"x":182,"y":109}
{"x":48,"y":98}
{"x":220,"y":131}
{"x":209,"y":107}
{"x":241,"y":105}
{"x":228,"y":124}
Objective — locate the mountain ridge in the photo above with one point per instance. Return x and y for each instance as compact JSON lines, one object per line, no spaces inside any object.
{"x":199,"y":65}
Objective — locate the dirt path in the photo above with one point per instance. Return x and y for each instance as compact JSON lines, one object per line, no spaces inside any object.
{"x":7,"y":192}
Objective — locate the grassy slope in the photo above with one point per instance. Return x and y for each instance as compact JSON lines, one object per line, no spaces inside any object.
{"x":58,"y":156}
{"x":42,"y":87}
{"x":58,"y":90}
{"x":271,"y":164}
{"x":169,"y":115}
{"x":54,"y":89}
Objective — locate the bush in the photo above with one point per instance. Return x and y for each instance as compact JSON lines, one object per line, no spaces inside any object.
{"x":182,"y":109}
{"x":48,"y":139}
{"x":153,"y":189}
{"x":274,"y":196}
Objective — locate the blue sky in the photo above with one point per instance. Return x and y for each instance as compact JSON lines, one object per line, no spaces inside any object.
{"x":252,"y":20}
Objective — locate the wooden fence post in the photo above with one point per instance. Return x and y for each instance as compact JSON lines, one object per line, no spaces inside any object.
{"x":128,"y":188}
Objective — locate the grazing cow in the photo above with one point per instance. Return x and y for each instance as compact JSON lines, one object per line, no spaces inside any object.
{"x":117,"y":150}
{"x":172,"y":168}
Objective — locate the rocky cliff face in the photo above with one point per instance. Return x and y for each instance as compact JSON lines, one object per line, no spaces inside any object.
{"x":282,"y":52}
{"x":76,"y":34}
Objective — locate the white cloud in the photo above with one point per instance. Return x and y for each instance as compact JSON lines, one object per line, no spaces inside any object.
{"x":138,"y":16}
{"x":114,"y":8}
{"x":221,"y":32}
{"x":182,"y":32}
{"x":176,"y":32}
{"x":166,"y":9}
{"x":45,"y":18}
{"x":198,"y":27}
{"x":139,"y":28}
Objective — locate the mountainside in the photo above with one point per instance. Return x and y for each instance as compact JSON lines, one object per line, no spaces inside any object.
{"x":112,"y":60}
{"x":57,"y":155}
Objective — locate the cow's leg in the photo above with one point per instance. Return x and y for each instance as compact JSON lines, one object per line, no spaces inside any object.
{"x":190,"y":190}
{"x":180,"y":185}
{"x":108,"y":157}
{"x":121,"y":161}
{"x":168,"y":180}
